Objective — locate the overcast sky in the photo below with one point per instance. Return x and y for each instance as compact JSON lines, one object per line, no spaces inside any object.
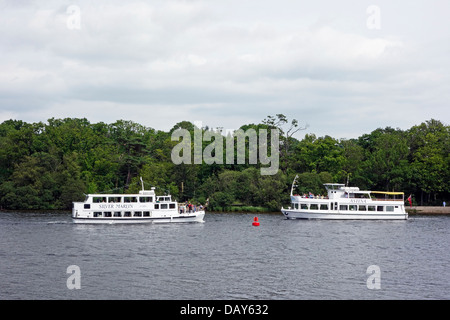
{"x":343,"y":67}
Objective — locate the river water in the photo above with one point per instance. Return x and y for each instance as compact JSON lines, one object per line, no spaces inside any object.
{"x":224,"y":258}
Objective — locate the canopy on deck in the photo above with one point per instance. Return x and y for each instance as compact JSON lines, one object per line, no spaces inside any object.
{"x":388,"y":192}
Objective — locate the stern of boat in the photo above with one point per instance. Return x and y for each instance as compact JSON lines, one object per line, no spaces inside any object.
{"x":77,"y":209}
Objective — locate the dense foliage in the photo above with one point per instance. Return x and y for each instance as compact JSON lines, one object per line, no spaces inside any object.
{"x":49,"y":165}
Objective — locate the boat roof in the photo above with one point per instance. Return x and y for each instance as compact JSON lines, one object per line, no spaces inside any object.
{"x":336,"y":186}
{"x":141,"y":193}
{"x":342,"y":187}
{"x":333,"y":186}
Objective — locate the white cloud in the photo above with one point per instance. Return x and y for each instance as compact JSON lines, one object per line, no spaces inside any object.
{"x":224,"y":63}
{"x":6,"y":115}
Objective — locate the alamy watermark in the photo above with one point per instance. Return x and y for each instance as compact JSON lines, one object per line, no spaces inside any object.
{"x":373,"y":21}
{"x":258,"y":147}
{"x":74,"y":280}
{"x":74,"y":17}
{"x":374,"y":279}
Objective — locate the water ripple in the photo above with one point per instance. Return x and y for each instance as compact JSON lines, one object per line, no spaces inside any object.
{"x":224,"y":258}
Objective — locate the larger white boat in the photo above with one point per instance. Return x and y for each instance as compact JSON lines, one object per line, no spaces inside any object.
{"x":346,"y":203}
{"x":144,"y":207}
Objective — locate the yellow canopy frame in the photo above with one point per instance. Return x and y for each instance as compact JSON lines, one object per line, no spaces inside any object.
{"x":388,"y":192}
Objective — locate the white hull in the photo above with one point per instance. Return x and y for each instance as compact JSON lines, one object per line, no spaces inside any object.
{"x":178,"y":218}
{"x":297,"y":214}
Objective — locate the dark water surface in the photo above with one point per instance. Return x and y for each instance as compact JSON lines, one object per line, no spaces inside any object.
{"x":224,"y":258}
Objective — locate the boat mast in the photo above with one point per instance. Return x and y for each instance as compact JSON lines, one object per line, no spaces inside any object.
{"x":142,"y":183}
{"x":293,"y":185}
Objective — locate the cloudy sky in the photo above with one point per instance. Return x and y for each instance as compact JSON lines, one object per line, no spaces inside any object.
{"x":343,"y":67}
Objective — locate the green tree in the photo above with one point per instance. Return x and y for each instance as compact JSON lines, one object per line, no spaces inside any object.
{"x":313,"y":182}
{"x":286,"y":135}
{"x":130,"y":139}
{"x":430,"y":149}
{"x":387,"y":159}
{"x":49,"y":165}
{"x":323,"y":154}
{"x":221,"y":200}
{"x":353,"y":164}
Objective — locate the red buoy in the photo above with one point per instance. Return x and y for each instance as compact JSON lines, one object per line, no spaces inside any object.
{"x":255,"y":222}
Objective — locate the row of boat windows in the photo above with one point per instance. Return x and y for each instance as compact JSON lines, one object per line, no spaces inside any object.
{"x":118,"y":214}
{"x":157,"y":206}
{"x":133,"y":214}
{"x":165,"y":206}
{"x":121,"y":199}
{"x":344,"y":207}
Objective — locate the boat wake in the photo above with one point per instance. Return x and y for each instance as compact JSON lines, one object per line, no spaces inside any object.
{"x":58,"y":222}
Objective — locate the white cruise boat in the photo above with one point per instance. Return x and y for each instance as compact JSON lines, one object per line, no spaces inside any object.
{"x":347,"y":203}
{"x":144,"y":207}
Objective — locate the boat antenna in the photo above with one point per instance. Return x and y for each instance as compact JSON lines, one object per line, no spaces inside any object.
{"x":142,"y":183}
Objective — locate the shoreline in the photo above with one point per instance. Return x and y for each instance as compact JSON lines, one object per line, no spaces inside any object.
{"x":418,"y":210}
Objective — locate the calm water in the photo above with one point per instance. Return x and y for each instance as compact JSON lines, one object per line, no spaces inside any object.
{"x":224,"y":258}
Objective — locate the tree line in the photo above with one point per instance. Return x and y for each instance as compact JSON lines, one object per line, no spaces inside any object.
{"x":46,"y":166}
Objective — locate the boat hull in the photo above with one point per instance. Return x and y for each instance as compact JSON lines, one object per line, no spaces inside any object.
{"x":179,"y":218}
{"x":299,"y":214}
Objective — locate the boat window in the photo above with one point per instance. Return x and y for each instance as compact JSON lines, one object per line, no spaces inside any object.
{"x":295,"y":205}
{"x":362,"y":208}
{"x":97,"y":214}
{"x":362,"y":195}
{"x":107,"y":214}
{"x":87,"y":206}
{"x":313,"y":206}
{"x":343,"y":207}
{"x":390,"y":208}
{"x":353,"y":207}
{"x":114,"y":199}
{"x":163,"y":205}
{"x":146,"y":213}
{"x":137,"y":214}
{"x":171,"y":205}
{"x":371,"y":208}
{"x":127,"y":214}
{"x":380,"y":208}
{"x":145,"y":199}
{"x":324,"y":207}
{"x":117,"y":214}
{"x":304,"y":206}
{"x":98,"y":199}
{"x":157,"y":206}
{"x":130,"y":199}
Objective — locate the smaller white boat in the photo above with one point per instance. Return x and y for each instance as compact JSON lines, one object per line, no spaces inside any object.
{"x":144,"y":207}
{"x":343,"y":202}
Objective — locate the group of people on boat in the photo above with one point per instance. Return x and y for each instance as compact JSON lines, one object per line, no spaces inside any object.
{"x":311,"y":196}
{"x":189,"y":207}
